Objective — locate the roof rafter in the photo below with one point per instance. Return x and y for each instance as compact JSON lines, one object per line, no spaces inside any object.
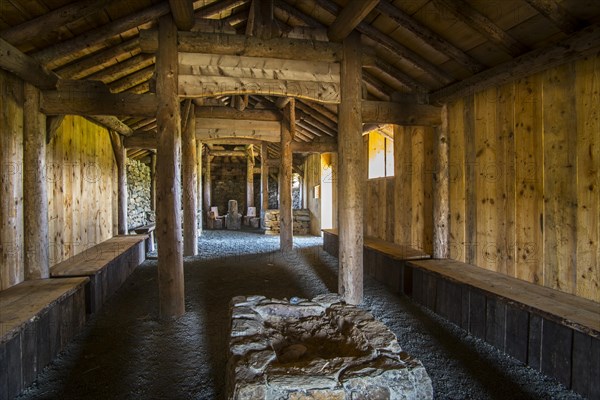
{"x":349,"y":18}
{"x":557,"y":14}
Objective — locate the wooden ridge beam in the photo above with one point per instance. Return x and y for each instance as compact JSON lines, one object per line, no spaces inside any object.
{"x":483,"y":25}
{"x":349,"y":18}
{"x":578,"y":45}
{"x":556,"y":14}
{"x":428,"y":36}
{"x":234,"y":114}
{"x":51,"y":21}
{"x":94,"y":62}
{"x":54,"y":55}
{"x":56,"y":102}
{"x":400,"y":113}
{"x":224,"y":44}
{"x":25,"y":67}
{"x":183,"y":14}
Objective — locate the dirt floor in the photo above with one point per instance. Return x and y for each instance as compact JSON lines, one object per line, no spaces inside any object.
{"x":125,"y":352}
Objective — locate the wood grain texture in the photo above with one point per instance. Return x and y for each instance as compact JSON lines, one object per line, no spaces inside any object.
{"x":80,"y":214}
{"x":286,"y":240}
{"x":189,"y":170}
{"x":11,"y":155}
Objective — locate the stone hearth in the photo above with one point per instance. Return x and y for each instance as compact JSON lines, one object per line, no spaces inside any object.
{"x":318,"y":349}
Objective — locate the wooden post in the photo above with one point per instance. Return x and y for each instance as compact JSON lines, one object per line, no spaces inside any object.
{"x":286,"y":241}
{"x":35,"y":199}
{"x":168,"y":190}
{"x":351,"y":174}
{"x":190,"y":176}
{"x":153,"y":182}
{"x":441,"y":200}
{"x":199,"y":187}
{"x":121,"y":161}
{"x":207,"y":183}
{"x":264,"y":181}
{"x":250,"y":177}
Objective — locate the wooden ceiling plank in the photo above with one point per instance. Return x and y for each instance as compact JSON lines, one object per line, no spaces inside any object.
{"x":483,"y":25}
{"x":349,"y":18}
{"x":57,"y":102}
{"x":90,"y":64}
{"x":578,"y":45}
{"x":410,"y":56}
{"x":556,"y":14}
{"x":52,"y":56}
{"x":183,"y":14}
{"x":122,"y":69}
{"x":25,"y":67}
{"x":428,"y":36}
{"x":51,"y":21}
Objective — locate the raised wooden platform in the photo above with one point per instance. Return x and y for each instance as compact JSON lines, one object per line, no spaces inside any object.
{"x":107,"y":265}
{"x":553,"y":332}
{"x":37,"y":319}
{"x":382,"y":260}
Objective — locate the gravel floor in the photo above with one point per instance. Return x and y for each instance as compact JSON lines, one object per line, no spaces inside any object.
{"x":126,"y":353}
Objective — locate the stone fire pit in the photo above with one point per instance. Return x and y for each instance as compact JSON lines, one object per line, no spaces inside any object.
{"x":319,"y":349}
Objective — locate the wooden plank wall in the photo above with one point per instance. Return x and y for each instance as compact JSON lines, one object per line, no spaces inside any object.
{"x":312,"y":177}
{"x":524,"y":178}
{"x":11,"y":180}
{"x":399,"y":209}
{"x":81,"y":188}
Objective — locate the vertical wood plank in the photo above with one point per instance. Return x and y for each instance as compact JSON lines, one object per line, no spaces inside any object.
{"x":189,"y":173}
{"x":427,"y":168}
{"x":560,"y":166}
{"x":351,"y":174}
{"x":168,"y":198}
{"x":11,"y":200}
{"x":529,"y":169}
{"x":457,"y":174}
{"x":418,"y":188}
{"x":557,"y":345}
{"x":517,"y":328}
{"x":487,"y":175}
{"x":35,"y":204}
{"x":471,"y":185}
{"x":441,"y":207}
{"x":588,"y":178}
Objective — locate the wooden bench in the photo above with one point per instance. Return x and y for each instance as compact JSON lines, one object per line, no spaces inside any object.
{"x":37,"y":319}
{"x":382,"y":260}
{"x":551,"y":331}
{"x":147,"y":230}
{"x":107,"y":265}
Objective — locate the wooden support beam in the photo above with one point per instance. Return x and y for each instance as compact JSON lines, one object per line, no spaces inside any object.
{"x":35,"y":200}
{"x":384,"y":112}
{"x":207,"y":182}
{"x":281,"y":102}
{"x":227,"y":153}
{"x":237,"y":124}
{"x":229,"y":113}
{"x":183,"y":14}
{"x":557,"y":14}
{"x":578,"y":45}
{"x":57,"y":102}
{"x":219,"y":134}
{"x":25,"y":67}
{"x":396,"y":75}
{"x":199,"y":186}
{"x":189,"y":173}
{"x":111,"y":123}
{"x":132,"y":80}
{"x":57,"y":55}
{"x":51,"y":21}
{"x":428,"y":36}
{"x":264,"y":181}
{"x":250,"y":176}
{"x":286,"y":229}
{"x":483,"y":25}
{"x":122,"y":69}
{"x":94,"y":62}
{"x":441,"y":196}
{"x":315,"y":147}
{"x":238,"y":45}
{"x":140,"y":140}
{"x":349,"y":18}
{"x":168,"y":196}
{"x":153,"y":184}
{"x":121,"y":162}
{"x":52,"y":124}
{"x":218,"y":7}
{"x":260,"y":20}
{"x":351,"y":176}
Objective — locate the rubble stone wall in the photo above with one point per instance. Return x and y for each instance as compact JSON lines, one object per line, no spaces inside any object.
{"x":301,"y":222}
{"x":138,"y":193}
